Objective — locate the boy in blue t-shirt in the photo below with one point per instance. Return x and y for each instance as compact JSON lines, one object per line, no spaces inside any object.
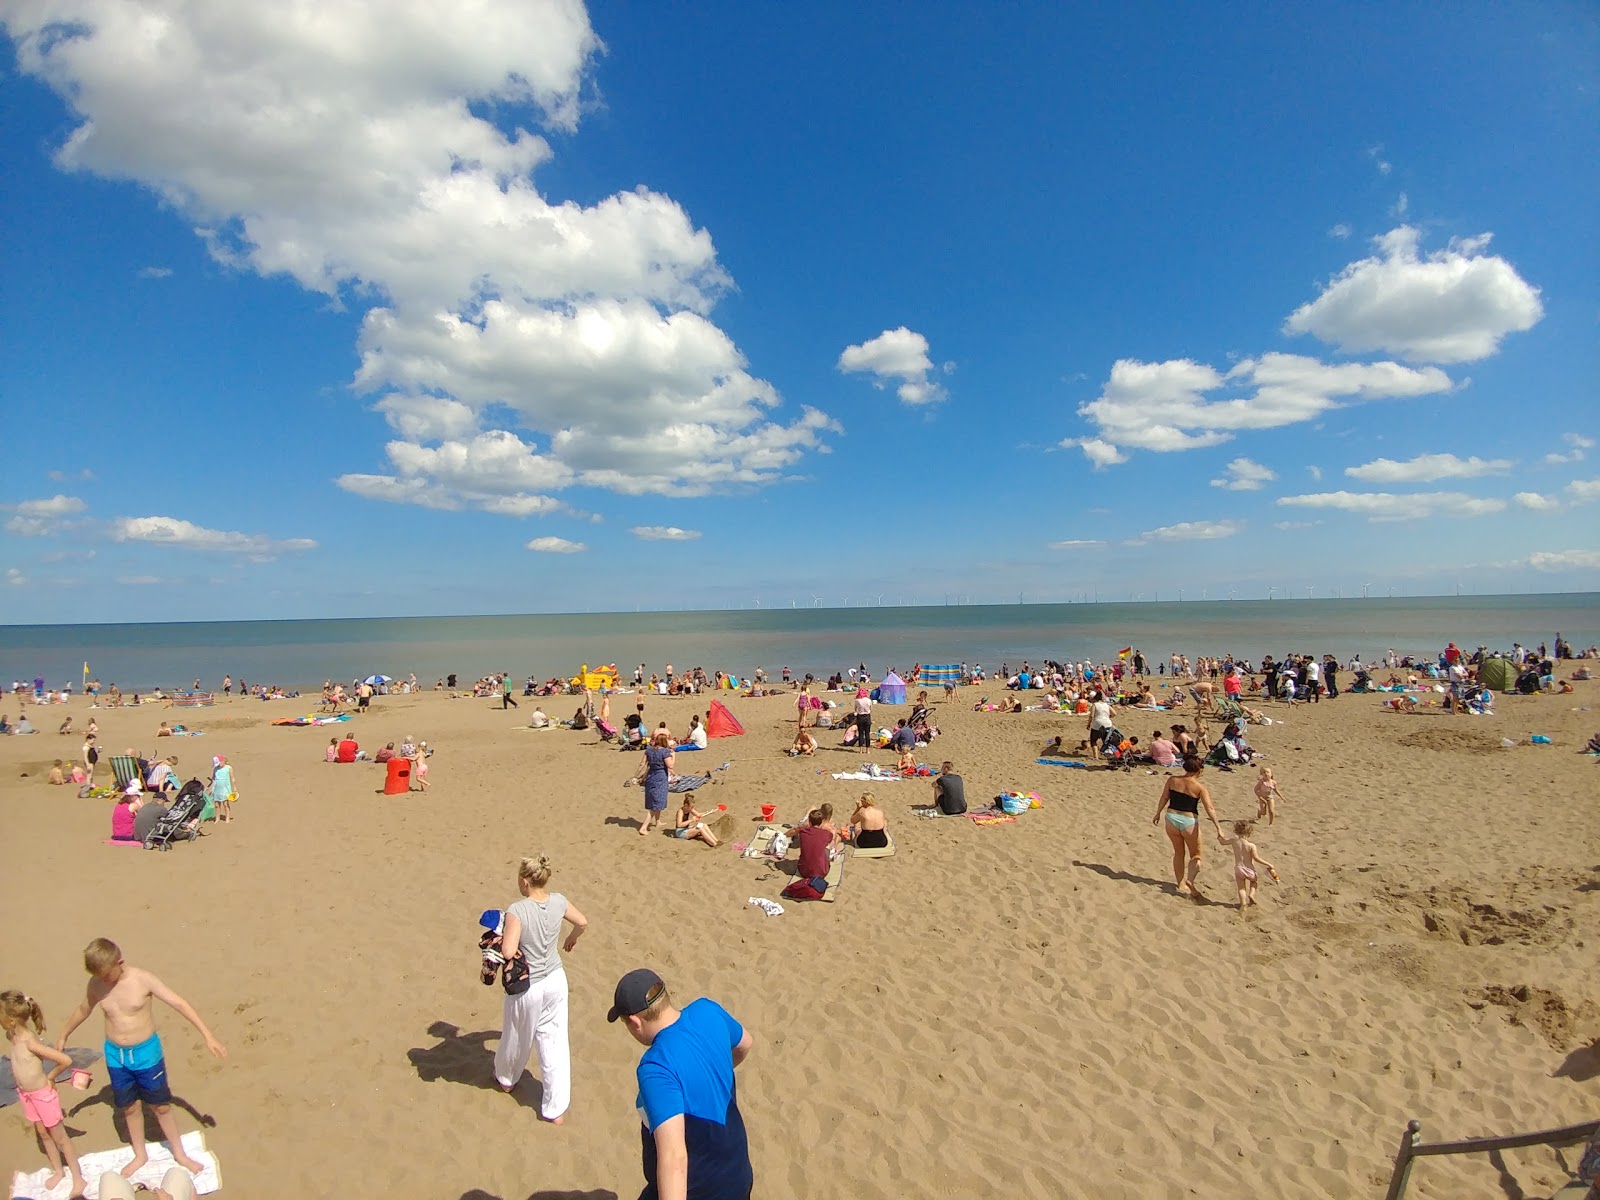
{"x":693,"y":1137}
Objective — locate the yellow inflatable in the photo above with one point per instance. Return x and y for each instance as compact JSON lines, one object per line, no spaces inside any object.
{"x":600,"y":677}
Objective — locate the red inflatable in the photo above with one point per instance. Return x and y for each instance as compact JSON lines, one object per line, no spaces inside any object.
{"x":398,"y":781}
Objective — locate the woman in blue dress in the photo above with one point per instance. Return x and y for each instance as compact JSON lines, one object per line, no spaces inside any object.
{"x":654,"y":775}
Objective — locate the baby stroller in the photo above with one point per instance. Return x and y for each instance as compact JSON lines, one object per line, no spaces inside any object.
{"x":175,"y":825}
{"x":607,"y":731}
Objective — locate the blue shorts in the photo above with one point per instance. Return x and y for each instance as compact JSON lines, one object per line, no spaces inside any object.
{"x":138,"y":1073}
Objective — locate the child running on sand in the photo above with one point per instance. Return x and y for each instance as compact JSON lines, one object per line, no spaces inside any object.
{"x":1267,"y":796}
{"x":35,"y":1088}
{"x":1246,"y":858}
{"x":134,"y":1060}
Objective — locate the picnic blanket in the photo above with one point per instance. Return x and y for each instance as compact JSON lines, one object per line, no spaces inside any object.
{"x":870,"y":771}
{"x":29,"y":1185}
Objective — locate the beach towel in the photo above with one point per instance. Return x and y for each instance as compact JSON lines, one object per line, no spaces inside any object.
{"x":1056,"y":762}
{"x":771,"y":907}
{"x":30,"y":1185}
{"x":989,"y":817}
{"x":874,"y":851}
{"x":761,"y":843}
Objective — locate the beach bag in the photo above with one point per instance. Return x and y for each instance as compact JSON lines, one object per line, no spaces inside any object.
{"x":514,"y":976}
{"x":779,"y":846}
{"x":806,"y":889}
{"x":1013,"y":804}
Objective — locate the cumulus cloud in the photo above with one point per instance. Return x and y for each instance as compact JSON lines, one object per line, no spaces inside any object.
{"x":1076,"y":544}
{"x":1565,"y":560}
{"x":1450,"y":306}
{"x":1340,"y":231}
{"x":1165,"y":406}
{"x":386,"y":155}
{"x":1188,"y":531}
{"x":1426,"y":468}
{"x":1535,"y":502}
{"x":172,"y":531}
{"x":1584,"y":490}
{"x":1244,"y":475}
{"x":155,"y":272}
{"x":555,"y":545}
{"x":1098,"y":451}
{"x":15,"y":578}
{"x":1389,"y":506}
{"x":41,"y":518}
{"x":664,"y":533}
{"x":896,"y":354}
{"x":1579,"y":444}
{"x":1288,"y":525}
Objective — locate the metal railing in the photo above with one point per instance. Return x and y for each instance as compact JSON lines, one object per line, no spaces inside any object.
{"x":1412,"y":1147}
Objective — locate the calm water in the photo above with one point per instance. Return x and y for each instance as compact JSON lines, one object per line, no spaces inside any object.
{"x":819,"y":640}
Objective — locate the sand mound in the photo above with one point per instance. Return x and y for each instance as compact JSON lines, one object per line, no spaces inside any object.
{"x":1452,"y":741}
{"x":1539,"y":1009}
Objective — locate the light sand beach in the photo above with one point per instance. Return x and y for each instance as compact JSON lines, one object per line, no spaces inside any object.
{"x":1023,"y":1009}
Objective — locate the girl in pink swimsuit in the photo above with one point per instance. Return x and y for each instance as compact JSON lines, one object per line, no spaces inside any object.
{"x":1246,"y":858}
{"x":35,"y":1088}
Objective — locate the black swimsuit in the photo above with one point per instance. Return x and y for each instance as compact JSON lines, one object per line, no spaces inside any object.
{"x":1182,"y":802}
{"x":872,"y":839}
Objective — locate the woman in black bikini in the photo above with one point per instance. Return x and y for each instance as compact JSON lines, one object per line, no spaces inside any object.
{"x":869,"y":825}
{"x":1181,"y":798}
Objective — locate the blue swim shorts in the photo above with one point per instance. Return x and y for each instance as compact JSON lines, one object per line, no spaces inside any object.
{"x":138,"y":1072}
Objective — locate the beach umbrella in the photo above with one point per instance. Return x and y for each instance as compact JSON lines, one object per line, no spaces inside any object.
{"x":374,"y":680}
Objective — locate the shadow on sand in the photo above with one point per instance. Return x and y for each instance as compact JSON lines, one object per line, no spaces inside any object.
{"x":465,"y":1058}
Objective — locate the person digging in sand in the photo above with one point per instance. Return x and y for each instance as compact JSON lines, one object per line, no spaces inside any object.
{"x":691,"y":823}
{"x":134,"y":1060}
{"x":1181,"y":798}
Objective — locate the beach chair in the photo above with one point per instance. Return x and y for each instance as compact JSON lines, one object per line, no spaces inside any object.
{"x":1228,"y":708}
{"x":126,"y":768}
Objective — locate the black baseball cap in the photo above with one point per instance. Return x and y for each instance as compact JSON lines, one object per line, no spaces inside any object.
{"x":636,"y":991}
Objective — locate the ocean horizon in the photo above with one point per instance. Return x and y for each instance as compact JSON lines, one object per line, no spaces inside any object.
{"x":301,"y":653}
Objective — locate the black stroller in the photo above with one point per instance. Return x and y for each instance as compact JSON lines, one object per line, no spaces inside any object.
{"x":177,"y":824}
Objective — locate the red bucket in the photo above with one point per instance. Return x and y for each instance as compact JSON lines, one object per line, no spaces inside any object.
{"x":768,"y":812}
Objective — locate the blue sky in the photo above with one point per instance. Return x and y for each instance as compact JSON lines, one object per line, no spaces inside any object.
{"x":500,"y":307}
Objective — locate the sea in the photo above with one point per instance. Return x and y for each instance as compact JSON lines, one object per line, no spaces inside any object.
{"x":819,"y":641}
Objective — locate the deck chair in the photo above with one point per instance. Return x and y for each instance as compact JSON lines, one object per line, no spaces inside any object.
{"x":126,"y":768}
{"x":1228,"y":708}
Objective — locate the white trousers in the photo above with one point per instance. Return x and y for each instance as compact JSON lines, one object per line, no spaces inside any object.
{"x":177,"y":1183}
{"x":538,"y":1019}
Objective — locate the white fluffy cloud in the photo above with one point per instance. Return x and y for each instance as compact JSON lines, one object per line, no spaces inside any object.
{"x":1244,"y":475}
{"x":1565,"y":560}
{"x":1452,"y":305}
{"x":171,"y":531}
{"x":664,"y":533}
{"x":385,"y":155}
{"x":1164,"y":406}
{"x":1389,"y":506}
{"x":1189,"y":531}
{"x":1584,"y":490}
{"x":555,"y":545}
{"x":15,"y":577}
{"x":896,"y":354}
{"x":1579,"y":444}
{"x":1426,"y":468}
{"x":1535,"y":502}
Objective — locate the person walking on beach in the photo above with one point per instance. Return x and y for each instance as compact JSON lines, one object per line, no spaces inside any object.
{"x":655,"y":774}
{"x":863,"y":713}
{"x":1181,"y":798}
{"x":506,"y":700}
{"x":537,"y":1017}
{"x":134,"y":1059}
{"x":693,"y":1139}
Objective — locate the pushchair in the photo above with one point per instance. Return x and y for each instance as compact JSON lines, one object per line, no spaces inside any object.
{"x":174,"y":826}
{"x":607,"y":731}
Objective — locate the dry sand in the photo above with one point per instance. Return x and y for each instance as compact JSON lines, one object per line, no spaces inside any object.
{"x":1019,"y":1010}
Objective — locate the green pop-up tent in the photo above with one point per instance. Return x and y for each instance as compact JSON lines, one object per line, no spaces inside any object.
{"x":1497,"y":674}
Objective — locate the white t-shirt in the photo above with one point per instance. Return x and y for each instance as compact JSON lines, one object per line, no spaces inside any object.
{"x":698,"y":736}
{"x":1101,"y":718}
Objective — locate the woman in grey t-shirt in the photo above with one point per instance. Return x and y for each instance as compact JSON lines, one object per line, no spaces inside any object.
{"x":537,"y":1018}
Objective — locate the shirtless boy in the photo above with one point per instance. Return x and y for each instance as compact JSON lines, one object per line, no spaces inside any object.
{"x":134,"y":1059}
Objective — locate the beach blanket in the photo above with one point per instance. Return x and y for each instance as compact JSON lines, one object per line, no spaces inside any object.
{"x":874,"y":851}
{"x":761,"y":843}
{"x":1056,"y":762}
{"x":30,"y":1185}
{"x":80,"y":1056}
{"x":312,"y":720}
{"x":989,"y":817}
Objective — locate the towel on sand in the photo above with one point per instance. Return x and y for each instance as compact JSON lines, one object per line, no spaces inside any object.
{"x":30,"y":1185}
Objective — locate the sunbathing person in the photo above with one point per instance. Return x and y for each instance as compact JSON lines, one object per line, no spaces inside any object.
{"x":869,"y":827}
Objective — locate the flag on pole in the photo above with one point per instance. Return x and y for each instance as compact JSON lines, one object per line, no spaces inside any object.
{"x":86,"y":672}
{"x":1125,"y":652}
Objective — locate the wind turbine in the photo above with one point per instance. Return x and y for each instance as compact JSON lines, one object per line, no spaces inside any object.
{"x":1365,"y":588}
{"x":1232,"y":592}
{"x":880,"y":599}
{"x":1311,"y":591}
{"x":1391,"y":589}
{"x":845,"y":603}
{"x":1271,"y":592}
{"x":816,"y":600}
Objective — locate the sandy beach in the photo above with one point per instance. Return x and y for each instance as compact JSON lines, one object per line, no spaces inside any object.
{"x":1024,"y":1009}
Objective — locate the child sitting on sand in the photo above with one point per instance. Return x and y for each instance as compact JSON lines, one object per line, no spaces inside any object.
{"x":1246,"y":858}
{"x":1267,"y":796}
{"x":908,"y":761}
{"x":35,"y":1088}
{"x":692,"y":824}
